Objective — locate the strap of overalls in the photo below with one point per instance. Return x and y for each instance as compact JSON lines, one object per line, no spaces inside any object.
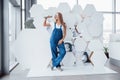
{"x":54,"y":25}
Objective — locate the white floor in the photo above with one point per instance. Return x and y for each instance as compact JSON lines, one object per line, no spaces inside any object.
{"x":75,"y":70}
{"x":70,"y":69}
{"x":32,"y":51}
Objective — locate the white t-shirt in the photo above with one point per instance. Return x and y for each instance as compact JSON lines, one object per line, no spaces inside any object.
{"x":51,"y":28}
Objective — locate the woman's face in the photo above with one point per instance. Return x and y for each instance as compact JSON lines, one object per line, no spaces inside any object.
{"x":56,"y":17}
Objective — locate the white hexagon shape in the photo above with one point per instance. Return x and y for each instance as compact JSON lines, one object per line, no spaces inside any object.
{"x":36,"y":10}
{"x":89,"y":10}
{"x":82,"y":28}
{"x":69,"y":19}
{"x":86,"y":20}
{"x":63,"y":8}
{"x":80,"y":44}
{"x":95,"y":45}
{"x":51,"y":11}
{"x":68,"y":35}
{"x":38,"y":22}
{"x":95,"y":30}
{"x":77,"y":18}
{"x":99,"y":59}
{"x":97,"y":18}
{"x":77,"y":9}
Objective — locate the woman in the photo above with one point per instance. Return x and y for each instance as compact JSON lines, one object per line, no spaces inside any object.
{"x":57,"y":40}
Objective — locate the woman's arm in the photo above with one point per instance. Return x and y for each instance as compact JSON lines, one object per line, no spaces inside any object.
{"x":45,"y":24}
{"x":64,"y":34}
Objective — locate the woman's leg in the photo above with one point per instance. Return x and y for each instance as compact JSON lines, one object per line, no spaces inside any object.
{"x":61,"y":55}
{"x":54,"y":53}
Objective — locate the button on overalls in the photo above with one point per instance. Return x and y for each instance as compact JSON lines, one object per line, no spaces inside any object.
{"x":57,"y":34}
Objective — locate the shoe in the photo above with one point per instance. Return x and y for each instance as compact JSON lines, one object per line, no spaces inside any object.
{"x":50,"y":64}
{"x":52,"y":68}
{"x":59,"y":68}
{"x":62,"y":64}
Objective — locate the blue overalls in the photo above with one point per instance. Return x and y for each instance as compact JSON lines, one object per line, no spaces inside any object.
{"x":57,"y":34}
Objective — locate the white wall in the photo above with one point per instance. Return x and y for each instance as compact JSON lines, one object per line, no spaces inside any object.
{"x":114,"y":50}
{"x":114,"y":46}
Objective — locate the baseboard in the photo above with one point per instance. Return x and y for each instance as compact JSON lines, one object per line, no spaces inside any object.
{"x":14,"y":66}
{"x":115,"y":62}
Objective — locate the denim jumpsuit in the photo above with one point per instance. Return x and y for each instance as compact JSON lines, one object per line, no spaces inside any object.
{"x":57,"y":34}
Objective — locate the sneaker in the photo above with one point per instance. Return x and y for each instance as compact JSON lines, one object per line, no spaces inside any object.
{"x":59,"y":68}
{"x":50,"y":64}
{"x":52,"y":68}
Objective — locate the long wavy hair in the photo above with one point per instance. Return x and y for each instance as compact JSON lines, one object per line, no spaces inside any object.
{"x":60,"y":17}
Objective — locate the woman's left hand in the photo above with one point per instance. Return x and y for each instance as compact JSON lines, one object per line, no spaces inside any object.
{"x":60,"y":42}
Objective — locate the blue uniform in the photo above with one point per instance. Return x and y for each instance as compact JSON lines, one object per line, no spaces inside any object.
{"x":57,"y":34}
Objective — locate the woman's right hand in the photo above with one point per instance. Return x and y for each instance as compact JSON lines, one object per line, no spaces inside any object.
{"x":45,"y":21}
{"x":60,"y":41}
{"x":48,"y":17}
